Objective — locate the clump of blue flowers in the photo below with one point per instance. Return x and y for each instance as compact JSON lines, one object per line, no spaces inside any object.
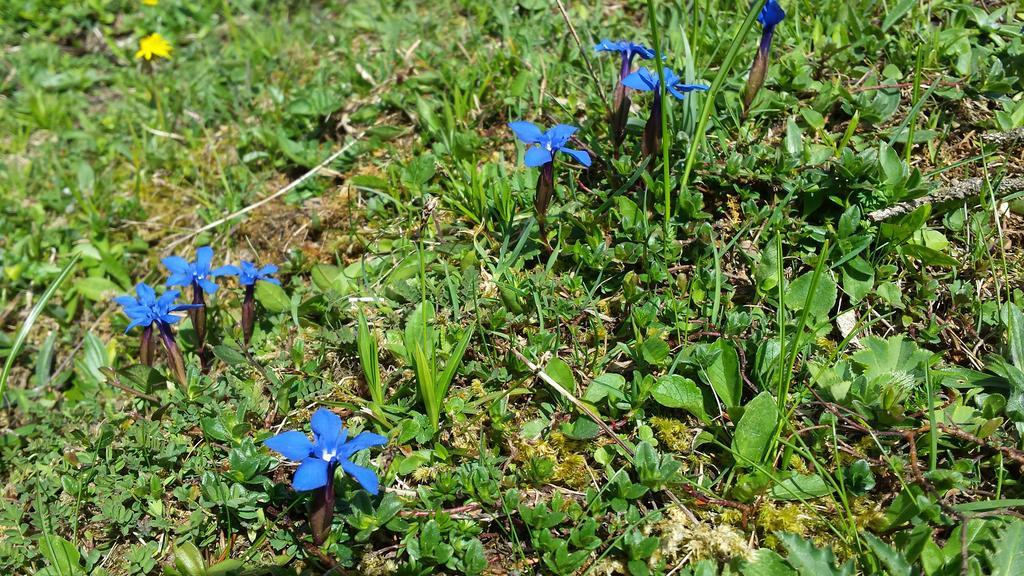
{"x":330,"y":449}
{"x":770,"y":16}
{"x":620,"y":101}
{"x":248,"y":274}
{"x":541,"y":153}
{"x":198,"y":276}
{"x":149,"y":312}
{"x":647,"y":80}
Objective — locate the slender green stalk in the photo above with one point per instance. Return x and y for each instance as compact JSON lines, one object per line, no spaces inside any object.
{"x":30,"y":321}
{"x":716,"y":86}
{"x":933,"y":428}
{"x":917,"y":94}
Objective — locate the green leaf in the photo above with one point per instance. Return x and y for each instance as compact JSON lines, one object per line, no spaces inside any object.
{"x":561,"y":372}
{"x":810,"y":560}
{"x":188,"y":560}
{"x":272,"y":297}
{"x":858,"y":278}
{"x":766,"y":275}
{"x":675,"y":391}
{"x":97,"y":288}
{"x":892,"y":167}
{"x":62,"y":555}
{"x":897,"y":13}
{"x":766,"y":563}
{"x":654,"y":350}
{"x":900,"y":229}
{"x":603,"y":386}
{"x":1008,"y":558}
{"x":755,"y":430}
{"x":329,"y":277}
{"x":794,"y":139}
{"x":801,"y":487}
{"x":824,"y":297}
{"x":1015,"y":334}
{"x":893,"y":560}
{"x":723,"y":373}
{"x":366,"y":343}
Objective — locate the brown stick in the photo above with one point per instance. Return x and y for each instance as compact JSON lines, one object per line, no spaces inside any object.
{"x":957,"y":191}
{"x":586,"y":59}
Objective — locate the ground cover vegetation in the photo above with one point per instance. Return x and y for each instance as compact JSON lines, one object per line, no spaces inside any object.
{"x":524,"y":287}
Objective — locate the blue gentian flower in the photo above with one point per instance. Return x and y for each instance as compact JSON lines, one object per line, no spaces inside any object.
{"x":621,"y":103}
{"x":647,"y":80}
{"x":248,"y":274}
{"x":545,"y":144}
{"x":198,"y":276}
{"x":541,"y":152}
{"x":770,"y":16}
{"x":628,"y":50}
{"x":329,"y":449}
{"x":148,"y":311}
{"x":194,"y":274}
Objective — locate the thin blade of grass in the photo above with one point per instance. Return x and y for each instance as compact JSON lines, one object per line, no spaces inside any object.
{"x":30,"y":320}
{"x":716,"y":87}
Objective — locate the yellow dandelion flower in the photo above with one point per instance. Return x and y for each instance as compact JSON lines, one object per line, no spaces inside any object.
{"x":153,"y":45}
{"x":150,"y":2}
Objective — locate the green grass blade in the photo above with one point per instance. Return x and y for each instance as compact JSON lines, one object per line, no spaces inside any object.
{"x":369,"y":360}
{"x":30,"y":321}
{"x":454,"y":360}
{"x":716,"y":87}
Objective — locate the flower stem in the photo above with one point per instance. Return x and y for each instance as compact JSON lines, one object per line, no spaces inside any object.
{"x":146,"y":346}
{"x":248,"y":313}
{"x":174,"y":359}
{"x":198,"y":316}
{"x":322,"y":512}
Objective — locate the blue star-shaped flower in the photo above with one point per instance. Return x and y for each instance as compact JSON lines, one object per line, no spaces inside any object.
{"x":627,"y":49}
{"x":646,"y":80}
{"x":330,"y":447}
{"x":771,"y":14}
{"x":147,"y":309}
{"x":198,"y":273}
{"x":248,"y":274}
{"x":547,"y":143}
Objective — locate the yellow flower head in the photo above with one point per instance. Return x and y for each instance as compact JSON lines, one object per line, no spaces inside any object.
{"x":150,"y":2}
{"x":153,"y":45}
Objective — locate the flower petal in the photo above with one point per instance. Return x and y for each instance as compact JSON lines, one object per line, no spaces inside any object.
{"x":581,"y":156}
{"x":177,"y":265}
{"x":208,"y":286}
{"x":642,"y":51}
{"x":179,"y":280}
{"x":311,"y":474}
{"x":526,"y":131}
{"x":364,"y":476}
{"x":146,"y":293}
{"x":361,"y":442}
{"x":293,"y":445}
{"x":326,"y":426}
{"x":229,"y":270}
{"x":559,"y":134}
{"x":536,"y":156}
{"x":204,"y":256}
{"x":771,"y":14}
{"x":607,"y":46}
{"x":640,"y":80}
{"x":138,"y":322}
